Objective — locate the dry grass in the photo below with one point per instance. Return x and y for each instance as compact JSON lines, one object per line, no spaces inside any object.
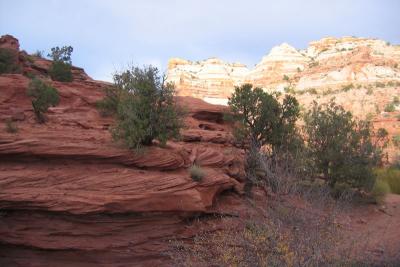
{"x":11,"y":127}
{"x":196,"y":173}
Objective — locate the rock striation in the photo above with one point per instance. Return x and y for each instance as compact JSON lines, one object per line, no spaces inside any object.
{"x":327,"y":63}
{"x":71,"y":196}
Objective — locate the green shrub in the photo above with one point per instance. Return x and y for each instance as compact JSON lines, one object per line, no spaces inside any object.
{"x":391,"y":176}
{"x":380,"y":84}
{"x":9,"y":61}
{"x":396,"y":162}
{"x":379,"y":191}
{"x":262,"y":118}
{"x":38,"y":53}
{"x":347,"y":87}
{"x":11,"y":127}
{"x":60,"y":69}
{"x":30,"y":59}
{"x":30,"y":75}
{"x":144,"y":107}
{"x":43,"y":96}
{"x":396,"y":140}
{"x":340,"y":148}
{"x":301,"y":92}
{"x":109,"y":104}
{"x":289,"y":90}
{"x":396,"y":100}
{"x":327,"y":92}
{"x":369,"y":116}
{"x":62,"y":54}
{"x":196,"y":173}
{"x":390,"y":107}
{"x":369,"y":91}
{"x":313,"y":64}
{"x":312,"y":91}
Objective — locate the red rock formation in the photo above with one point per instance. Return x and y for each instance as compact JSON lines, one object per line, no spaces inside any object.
{"x":327,"y":63}
{"x":10,"y":42}
{"x":70,"y":196}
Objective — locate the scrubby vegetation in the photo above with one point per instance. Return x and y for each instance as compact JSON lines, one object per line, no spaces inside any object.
{"x":390,"y":107}
{"x":340,"y":147}
{"x":260,"y":117}
{"x":380,"y":84}
{"x":390,"y":176}
{"x":109,"y":104}
{"x":38,"y":53}
{"x":43,"y":96}
{"x":396,"y":140}
{"x":60,"y":69}
{"x":336,"y":147}
{"x":313,"y":64}
{"x":379,"y":191}
{"x":347,"y":87}
{"x":144,"y":107}
{"x":11,"y":127}
{"x":313,"y":174}
{"x":8,"y":61}
{"x":286,"y":78}
{"x":196,"y":173}
{"x":281,"y":234}
{"x":262,"y":121}
{"x":311,"y":91}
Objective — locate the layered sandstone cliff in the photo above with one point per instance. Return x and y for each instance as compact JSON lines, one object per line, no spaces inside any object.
{"x":70,"y":196}
{"x":327,"y":63}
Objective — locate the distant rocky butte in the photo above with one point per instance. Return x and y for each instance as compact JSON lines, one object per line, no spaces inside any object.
{"x":326,"y":64}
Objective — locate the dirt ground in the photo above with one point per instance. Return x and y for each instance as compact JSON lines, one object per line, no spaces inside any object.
{"x":374,"y":231}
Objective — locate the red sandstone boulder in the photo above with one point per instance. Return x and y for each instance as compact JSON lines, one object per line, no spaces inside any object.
{"x":9,"y":42}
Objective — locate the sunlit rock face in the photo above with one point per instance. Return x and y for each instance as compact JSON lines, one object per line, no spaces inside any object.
{"x":325,"y":64}
{"x":210,"y":78}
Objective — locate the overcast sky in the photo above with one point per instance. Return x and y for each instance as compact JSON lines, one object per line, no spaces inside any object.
{"x":107,"y":35}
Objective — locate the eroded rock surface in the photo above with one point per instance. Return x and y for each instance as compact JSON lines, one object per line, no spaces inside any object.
{"x":71,"y":196}
{"x":327,"y":63}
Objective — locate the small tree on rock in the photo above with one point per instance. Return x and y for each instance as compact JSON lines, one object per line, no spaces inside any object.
{"x":43,"y":96}
{"x":144,"y":107}
{"x":60,"y":69}
{"x":9,"y":61}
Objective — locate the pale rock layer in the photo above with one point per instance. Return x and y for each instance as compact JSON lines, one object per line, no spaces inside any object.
{"x":327,"y":63}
